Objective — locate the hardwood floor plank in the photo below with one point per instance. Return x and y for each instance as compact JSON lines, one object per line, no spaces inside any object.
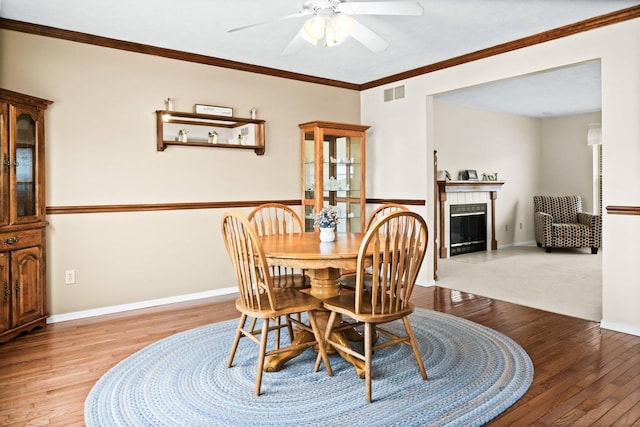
{"x":583,"y":375}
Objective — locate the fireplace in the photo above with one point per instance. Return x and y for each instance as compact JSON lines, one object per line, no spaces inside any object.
{"x":452,"y":193}
{"x":467,"y":228}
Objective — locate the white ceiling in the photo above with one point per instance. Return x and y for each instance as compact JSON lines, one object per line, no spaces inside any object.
{"x":447,"y":28}
{"x":569,"y":90}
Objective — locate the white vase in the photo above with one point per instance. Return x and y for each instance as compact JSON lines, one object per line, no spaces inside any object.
{"x":327,"y":235}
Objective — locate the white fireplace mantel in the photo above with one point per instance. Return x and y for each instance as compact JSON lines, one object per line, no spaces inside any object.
{"x":445,"y":187}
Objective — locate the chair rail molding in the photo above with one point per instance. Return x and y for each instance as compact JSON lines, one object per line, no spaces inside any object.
{"x":623,"y":210}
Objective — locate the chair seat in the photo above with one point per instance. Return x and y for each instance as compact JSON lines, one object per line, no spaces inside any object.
{"x":571,"y":231}
{"x":345,"y":303}
{"x":288,"y":301}
{"x":291,"y":281}
{"x":349,"y":281}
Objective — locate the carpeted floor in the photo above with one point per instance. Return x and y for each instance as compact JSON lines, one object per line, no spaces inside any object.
{"x":475,"y":373}
{"x":566,"y":281}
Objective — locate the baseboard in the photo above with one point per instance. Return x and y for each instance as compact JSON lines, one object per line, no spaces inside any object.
{"x":612,"y":326}
{"x":511,"y":245}
{"x":426,"y":284}
{"x":138,"y":305}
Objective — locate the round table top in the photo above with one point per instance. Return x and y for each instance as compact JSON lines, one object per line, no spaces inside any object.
{"x":309,"y":251}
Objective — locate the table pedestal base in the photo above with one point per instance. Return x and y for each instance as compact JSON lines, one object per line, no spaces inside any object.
{"x":324,"y":284}
{"x":276,"y":362}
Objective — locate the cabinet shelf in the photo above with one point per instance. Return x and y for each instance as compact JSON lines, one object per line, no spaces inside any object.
{"x":170,"y":125}
{"x":259,"y":150}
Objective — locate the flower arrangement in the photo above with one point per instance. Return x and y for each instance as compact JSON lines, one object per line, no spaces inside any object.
{"x":327,"y":218}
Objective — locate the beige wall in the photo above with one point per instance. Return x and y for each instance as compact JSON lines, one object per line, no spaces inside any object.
{"x":489,"y":142}
{"x":567,"y":160}
{"x":407,"y":125}
{"x":101,"y":149}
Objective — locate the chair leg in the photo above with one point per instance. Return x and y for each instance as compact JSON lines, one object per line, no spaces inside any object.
{"x":547,"y":249}
{"x":236,"y":340}
{"x":414,"y":346}
{"x":322,"y":349}
{"x":594,"y":251}
{"x":253,"y":324}
{"x":290,"y":326}
{"x":261,"y":355}
{"x":367,"y":358}
{"x":277,"y":332}
{"x":326,"y":336}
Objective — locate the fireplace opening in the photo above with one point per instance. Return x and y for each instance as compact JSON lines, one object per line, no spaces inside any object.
{"x":468,"y":228}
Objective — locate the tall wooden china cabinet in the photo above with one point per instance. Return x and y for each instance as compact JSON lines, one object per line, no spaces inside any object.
{"x":333,"y":172}
{"x":22,"y":214}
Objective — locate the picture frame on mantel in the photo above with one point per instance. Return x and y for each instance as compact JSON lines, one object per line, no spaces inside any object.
{"x":469,"y":175}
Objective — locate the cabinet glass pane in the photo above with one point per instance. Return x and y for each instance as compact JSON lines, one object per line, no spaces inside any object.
{"x":353,"y":216}
{"x":4,"y":182}
{"x":341,"y":178}
{"x":309,"y":169}
{"x":309,"y":218}
{"x":25,"y":165}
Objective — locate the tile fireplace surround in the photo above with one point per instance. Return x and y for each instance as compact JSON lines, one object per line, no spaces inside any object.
{"x":466,"y":192}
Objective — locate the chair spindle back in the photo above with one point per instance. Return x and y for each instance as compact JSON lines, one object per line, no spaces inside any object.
{"x":252,"y":272}
{"x":397,"y":244}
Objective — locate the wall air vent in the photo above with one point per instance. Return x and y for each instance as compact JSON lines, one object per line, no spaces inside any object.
{"x":394,"y":93}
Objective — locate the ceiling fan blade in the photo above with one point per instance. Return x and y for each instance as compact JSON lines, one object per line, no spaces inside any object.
{"x":295,"y":44}
{"x":282,"y":18}
{"x":408,"y":8}
{"x":368,"y":38}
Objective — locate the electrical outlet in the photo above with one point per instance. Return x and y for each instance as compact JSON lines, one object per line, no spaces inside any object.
{"x":69,"y":277}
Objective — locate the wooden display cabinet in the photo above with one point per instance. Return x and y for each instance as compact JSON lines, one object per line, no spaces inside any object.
{"x":333,"y":172}
{"x":204,"y":130}
{"x":22,"y":214}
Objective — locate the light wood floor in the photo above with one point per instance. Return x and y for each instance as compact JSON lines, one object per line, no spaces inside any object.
{"x":583,"y":375}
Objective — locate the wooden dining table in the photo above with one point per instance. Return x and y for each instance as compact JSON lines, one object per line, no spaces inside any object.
{"x":322,"y":262}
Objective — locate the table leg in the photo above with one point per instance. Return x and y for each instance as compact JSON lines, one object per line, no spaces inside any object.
{"x":324,"y":282}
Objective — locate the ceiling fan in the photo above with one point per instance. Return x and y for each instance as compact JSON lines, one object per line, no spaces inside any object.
{"x":331,"y":22}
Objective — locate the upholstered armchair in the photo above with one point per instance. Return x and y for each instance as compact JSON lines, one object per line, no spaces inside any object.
{"x":560,"y":223}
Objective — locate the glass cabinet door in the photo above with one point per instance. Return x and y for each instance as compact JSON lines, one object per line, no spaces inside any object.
{"x":342,"y":179}
{"x":24,"y":165}
{"x":308,"y":179}
{"x":4,"y":159}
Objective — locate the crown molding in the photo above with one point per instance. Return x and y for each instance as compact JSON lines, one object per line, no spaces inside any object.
{"x":557,"y":33}
{"x":79,"y":37}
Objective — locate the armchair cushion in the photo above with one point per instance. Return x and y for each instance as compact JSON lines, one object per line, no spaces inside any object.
{"x":560,"y":222}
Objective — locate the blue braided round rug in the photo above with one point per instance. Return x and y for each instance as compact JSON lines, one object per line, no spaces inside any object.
{"x":475,"y":373}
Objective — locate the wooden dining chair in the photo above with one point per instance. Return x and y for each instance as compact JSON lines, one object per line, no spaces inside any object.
{"x":395,"y":246}
{"x":348,"y":277}
{"x":259,"y":299}
{"x":276,"y":218}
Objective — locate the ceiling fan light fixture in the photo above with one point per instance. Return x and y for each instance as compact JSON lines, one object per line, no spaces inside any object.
{"x":333,"y":29}
{"x":314,"y":29}
{"x":337,"y":29}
